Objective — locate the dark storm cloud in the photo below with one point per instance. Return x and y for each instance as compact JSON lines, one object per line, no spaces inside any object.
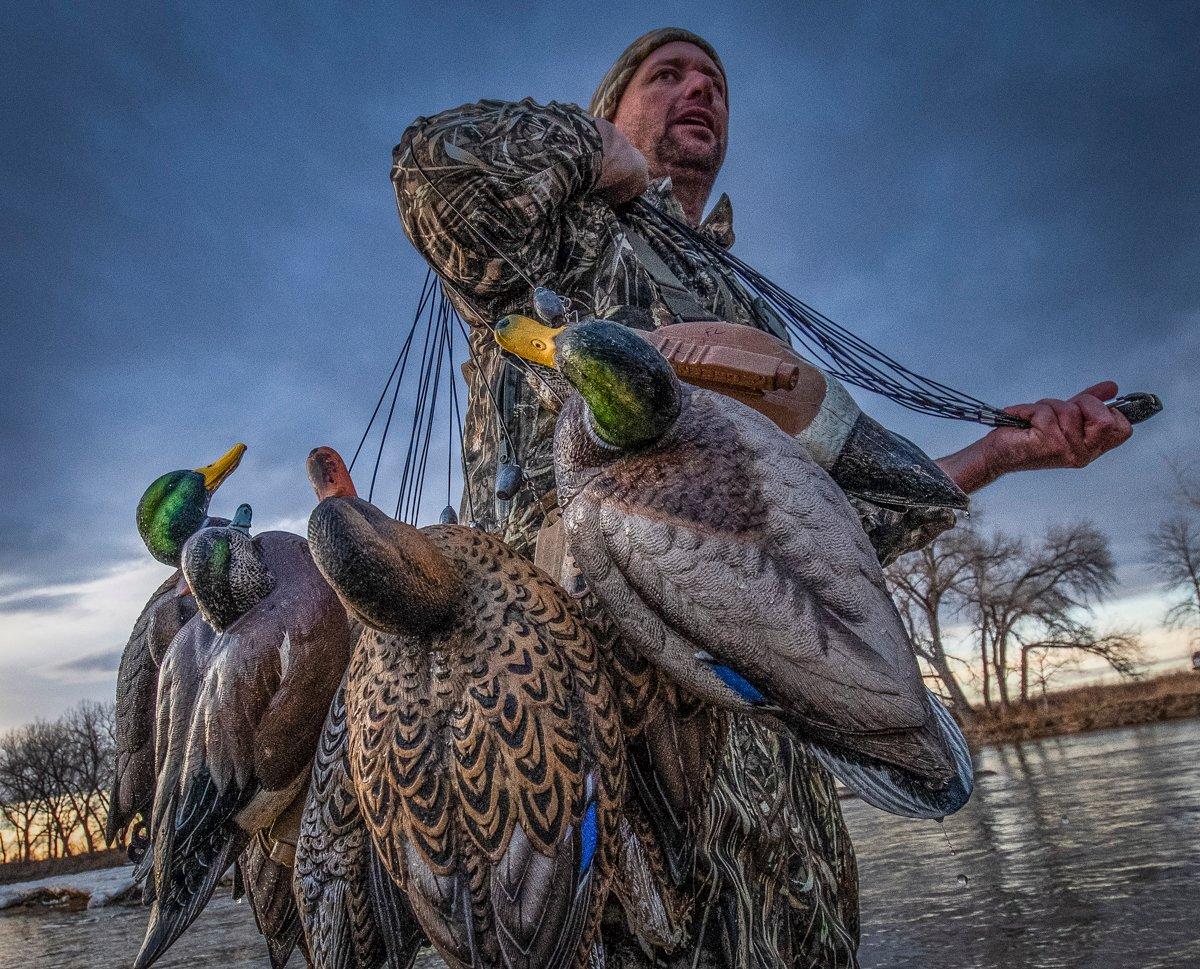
{"x":201,"y":243}
{"x":105,"y":662}
{"x":37,"y":602}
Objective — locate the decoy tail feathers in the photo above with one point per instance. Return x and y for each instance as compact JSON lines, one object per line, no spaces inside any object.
{"x":178,"y":902}
{"x":901,"y":793}
{"x":883,"y":467}
{"x":194,"y":846}
{"x":332,"y":857}
{"x":268,"y":887}
{"x":401,"y":932}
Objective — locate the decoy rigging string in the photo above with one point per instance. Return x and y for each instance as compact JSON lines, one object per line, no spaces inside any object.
{"x":842,"y":353}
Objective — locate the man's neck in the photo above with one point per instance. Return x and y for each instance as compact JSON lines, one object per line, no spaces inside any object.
{"x":692,"y":188}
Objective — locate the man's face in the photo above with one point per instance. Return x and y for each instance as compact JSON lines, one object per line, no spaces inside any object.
{"x":674,"y":111}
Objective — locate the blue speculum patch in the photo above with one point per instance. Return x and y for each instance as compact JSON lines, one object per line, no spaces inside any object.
{"x":739,"y":684}
{"x":587,"y":833}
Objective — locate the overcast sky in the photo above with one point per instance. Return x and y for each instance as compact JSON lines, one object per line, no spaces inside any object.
{"x":201,"y":246}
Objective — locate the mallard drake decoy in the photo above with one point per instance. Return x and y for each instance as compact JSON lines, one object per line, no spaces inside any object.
{"x":484,"y":743}
{"x":731,"y":560}
{"x":261,"y":692}
{"x":172,"y":508}
{"x":354,"y":915}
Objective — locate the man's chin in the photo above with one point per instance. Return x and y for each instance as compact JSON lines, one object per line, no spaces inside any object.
{"x":692,"y":153}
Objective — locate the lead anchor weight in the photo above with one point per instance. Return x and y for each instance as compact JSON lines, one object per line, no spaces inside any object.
{"x":508,"y":481}
{"x":549,"y":306}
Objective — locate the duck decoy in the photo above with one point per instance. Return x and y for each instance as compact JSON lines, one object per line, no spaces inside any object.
{"x":171,"y":510}
{"x":354,"y":915}
{"x":673,"y":743}
{"x":484,"y":745}
{"x":729,"y":558}
{"x":259,"y":693}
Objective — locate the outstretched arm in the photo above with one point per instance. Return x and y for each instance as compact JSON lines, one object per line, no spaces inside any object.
{"x":1064,"y":434}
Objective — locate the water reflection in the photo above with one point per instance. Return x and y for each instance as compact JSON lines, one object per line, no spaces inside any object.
{"x":1005,"y":883}
{"x":1078,"y":852}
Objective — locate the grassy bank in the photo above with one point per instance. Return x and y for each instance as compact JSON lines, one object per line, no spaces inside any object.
{"x":1174,"y":696}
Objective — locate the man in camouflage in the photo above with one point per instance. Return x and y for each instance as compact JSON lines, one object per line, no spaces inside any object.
{"x":499,"y":197}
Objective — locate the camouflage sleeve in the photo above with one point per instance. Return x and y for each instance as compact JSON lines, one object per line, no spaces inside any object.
{"x":494,"y":175}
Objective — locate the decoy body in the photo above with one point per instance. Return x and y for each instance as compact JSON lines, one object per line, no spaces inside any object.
{"x":172,"y":509}
{"x":673,"y":742}
{"x":253,"y":698}
{"x":736,"y":564}
{"x":267,"y":885}
{"x":483,"y":742}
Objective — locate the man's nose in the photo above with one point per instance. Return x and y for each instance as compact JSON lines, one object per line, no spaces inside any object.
{"x":699,"y":87}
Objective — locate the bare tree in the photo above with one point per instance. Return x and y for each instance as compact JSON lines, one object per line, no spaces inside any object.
{"x":1175,"y":551}
{"x":18,"y":802}
{"x":88,"y":730}
{"x":927,"y":586}
{"x":1122,"y":651}
{"x":1015,"y":605}
{"x":1039,"y":595}
{"x":1187,"y":483}
{"x":52,"y":780}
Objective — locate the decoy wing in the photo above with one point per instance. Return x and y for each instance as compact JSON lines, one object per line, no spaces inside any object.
{"x":268,"y":887}
{"x":132,"y":792}
{"x":769,"y":594}
{"x":520,"y":794}
{"x":179,"y":681}
{"x":338,"y":894}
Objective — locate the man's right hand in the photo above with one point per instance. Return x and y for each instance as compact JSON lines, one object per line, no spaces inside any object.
{"x":624,"y":174}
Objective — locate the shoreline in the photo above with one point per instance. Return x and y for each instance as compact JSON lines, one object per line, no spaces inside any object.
{"x":75,"y":881}
{"x":1161,"y":699}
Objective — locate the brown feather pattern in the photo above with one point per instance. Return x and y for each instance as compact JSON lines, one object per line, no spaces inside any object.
{"x":165,"y":613}
{"x":472,"y":747}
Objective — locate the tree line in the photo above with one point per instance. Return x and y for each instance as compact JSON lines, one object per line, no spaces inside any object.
{"x":1001,"y":615}
{"x":54,"y":781}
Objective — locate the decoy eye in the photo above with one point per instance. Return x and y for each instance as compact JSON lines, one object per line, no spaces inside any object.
{"x":539,"y":344}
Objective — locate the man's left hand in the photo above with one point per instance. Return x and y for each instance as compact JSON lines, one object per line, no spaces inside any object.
{"x":1062,"y":434}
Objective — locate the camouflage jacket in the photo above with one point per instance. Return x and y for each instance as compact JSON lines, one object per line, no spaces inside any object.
{"x":495,"y":196}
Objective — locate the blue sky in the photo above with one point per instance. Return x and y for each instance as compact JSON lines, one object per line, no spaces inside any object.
{"x":201,"y":243}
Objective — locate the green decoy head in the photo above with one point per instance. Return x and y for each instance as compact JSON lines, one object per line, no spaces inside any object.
{"x":176,"y":505}
{"x":631,"y":391}
{"x":224,"y":567}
